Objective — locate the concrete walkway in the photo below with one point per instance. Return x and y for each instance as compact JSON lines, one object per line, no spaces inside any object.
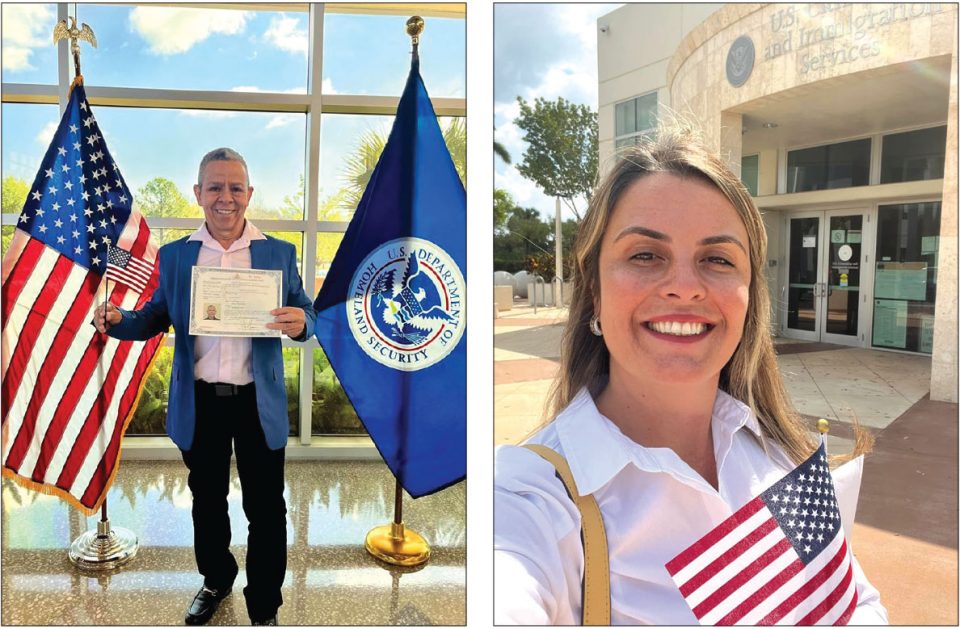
{"x":905,"y":536}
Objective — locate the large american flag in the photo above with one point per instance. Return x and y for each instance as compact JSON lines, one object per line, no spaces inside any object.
{"x":782,"y":558}
{"x":68,"y":391}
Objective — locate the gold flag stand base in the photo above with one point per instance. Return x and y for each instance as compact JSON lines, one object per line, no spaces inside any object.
{"x":396,"y":545}
{"x":105,"y":548}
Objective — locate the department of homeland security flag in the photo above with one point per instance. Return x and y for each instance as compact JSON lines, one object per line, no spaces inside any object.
{"x":68,"y":391}
{"x":391,"y":313}
{"x":780,"y":559}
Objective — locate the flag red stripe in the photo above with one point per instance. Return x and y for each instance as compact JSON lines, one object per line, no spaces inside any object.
{"x":51,"y":365}
{"x":132,"y":269}
{"x":746,"y":511}
{"x":729,"y":555}
{"x":94,"y":420}
{"x":762,"y":593}
{"x":140,"y":265}
{"x":845,"y":616}
{"x":829,"y":601}
{"x":32,"y":326}
{"x":141,"y":278}
{"x":98,"y":482}
{"x":89,"y":362}
{"x":734,"y":584}
{"x":807,"y":588}
{"x":135,"y":283}
{"x":19,"y":276}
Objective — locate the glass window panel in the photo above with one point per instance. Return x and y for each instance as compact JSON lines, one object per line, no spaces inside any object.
{"x":750,"y":172}
{"x":327,"y":245}
{"x":28,"y":56}
{"x":626,"y":114}
{"x":840,"y":165}
{"x":647,"y":112}
{"x":273,"y":145}
{"x":914,"y":155}
{"x":151,"y":415}
{"x":905,"y":281}
{"x":350,"y":146}
{"x":197,"y":47}
{"x":27,"y":130}
{"x":291,"y":378}
{"x":380,"y":66}
{"x":332,"y":413}
{"x":163,"y":236}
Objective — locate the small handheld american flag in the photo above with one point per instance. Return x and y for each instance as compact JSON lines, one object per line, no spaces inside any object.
{"x":126,"y":268}
{"x":782,"y":558}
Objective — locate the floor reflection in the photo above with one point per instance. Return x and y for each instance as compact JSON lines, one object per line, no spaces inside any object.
{"x":330,"y":578}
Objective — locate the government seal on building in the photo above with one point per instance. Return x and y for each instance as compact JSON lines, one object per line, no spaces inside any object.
{"x":740,"y":60}
{"x":406,"y":304}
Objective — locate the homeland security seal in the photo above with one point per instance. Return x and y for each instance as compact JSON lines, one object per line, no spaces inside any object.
{"x":406,"y":304}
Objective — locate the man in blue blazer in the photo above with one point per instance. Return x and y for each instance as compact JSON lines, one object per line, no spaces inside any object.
{"x":226,"y":392}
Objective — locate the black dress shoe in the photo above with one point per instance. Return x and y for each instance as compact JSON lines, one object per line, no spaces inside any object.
{"x":204,"y":604}
{"x":272,"y":621}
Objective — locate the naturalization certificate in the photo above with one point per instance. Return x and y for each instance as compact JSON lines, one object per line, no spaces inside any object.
{"x":233,"y":302}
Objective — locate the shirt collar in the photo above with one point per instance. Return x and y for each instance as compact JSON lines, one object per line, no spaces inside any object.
{"x":597,"y":450}
{"x":250,"y":232}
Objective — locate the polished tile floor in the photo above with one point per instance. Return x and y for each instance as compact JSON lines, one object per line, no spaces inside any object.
{"x":331,"y":580}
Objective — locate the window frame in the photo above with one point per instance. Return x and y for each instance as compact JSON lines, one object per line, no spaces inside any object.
{"x":618,"y":138}
{"x":314,"y":103}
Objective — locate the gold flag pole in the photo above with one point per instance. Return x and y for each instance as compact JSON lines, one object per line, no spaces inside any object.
{"x":824,"y":427}
{"x":103,"y":548}
{"x":394,"y":543}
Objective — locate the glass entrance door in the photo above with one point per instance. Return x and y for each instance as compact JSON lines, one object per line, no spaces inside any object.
{"x":823,"y":297}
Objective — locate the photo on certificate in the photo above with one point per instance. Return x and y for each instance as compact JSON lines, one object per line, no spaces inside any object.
{"x":233,"y":302}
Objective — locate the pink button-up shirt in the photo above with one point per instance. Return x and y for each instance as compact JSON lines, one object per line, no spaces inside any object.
{"x":224,"y":359}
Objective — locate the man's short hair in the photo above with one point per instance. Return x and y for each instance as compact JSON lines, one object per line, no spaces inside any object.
{"x":222,"y":154}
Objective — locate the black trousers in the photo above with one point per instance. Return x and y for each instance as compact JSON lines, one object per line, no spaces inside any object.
{"x":225,"y":422}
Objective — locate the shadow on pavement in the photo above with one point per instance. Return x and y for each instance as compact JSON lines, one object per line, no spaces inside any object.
{"x":538,"y":342}
{"x":910,"y":480}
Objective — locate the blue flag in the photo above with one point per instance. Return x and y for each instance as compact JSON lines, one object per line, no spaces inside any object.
{"x":391,"y":313}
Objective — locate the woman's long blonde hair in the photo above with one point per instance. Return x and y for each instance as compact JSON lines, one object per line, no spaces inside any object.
{"x":752,"y":374}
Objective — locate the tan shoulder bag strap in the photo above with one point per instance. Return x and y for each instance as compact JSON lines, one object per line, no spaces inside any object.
{"x":596,"y":562}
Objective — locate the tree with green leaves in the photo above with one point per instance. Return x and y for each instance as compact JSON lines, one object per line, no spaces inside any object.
{"x":359,"y":165}
{"x":15,"y":192}
{"x":562,"y":148}
{"x":503,"y":207}
{"x":160,"y":197}
{"x":525,"y":234}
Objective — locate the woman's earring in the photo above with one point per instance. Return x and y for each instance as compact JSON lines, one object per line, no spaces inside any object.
{"x":595,"y":326}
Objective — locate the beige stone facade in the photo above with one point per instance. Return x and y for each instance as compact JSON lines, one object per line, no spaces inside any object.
{"x":821,"y":74}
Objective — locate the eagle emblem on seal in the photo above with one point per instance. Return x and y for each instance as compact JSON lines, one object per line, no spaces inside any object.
{"x":408,"y":308}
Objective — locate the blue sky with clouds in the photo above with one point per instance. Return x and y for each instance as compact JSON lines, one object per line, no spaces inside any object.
{"x":219,"y":49}
{"x":540,"y":50}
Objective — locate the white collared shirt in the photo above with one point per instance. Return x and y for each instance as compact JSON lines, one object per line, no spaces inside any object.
{"x":654,"y":506}
{"x":224,"y":359}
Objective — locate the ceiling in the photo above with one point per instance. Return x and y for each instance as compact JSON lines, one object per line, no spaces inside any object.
{"x":904,"y":95}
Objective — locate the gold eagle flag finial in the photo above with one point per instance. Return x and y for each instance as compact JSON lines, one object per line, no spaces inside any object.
{"x":84,"y":33}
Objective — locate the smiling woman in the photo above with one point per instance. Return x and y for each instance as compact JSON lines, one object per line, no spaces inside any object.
{"x":668,"y":409}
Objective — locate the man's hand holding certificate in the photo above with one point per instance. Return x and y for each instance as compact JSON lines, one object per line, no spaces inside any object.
{"x":237,"y":302}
